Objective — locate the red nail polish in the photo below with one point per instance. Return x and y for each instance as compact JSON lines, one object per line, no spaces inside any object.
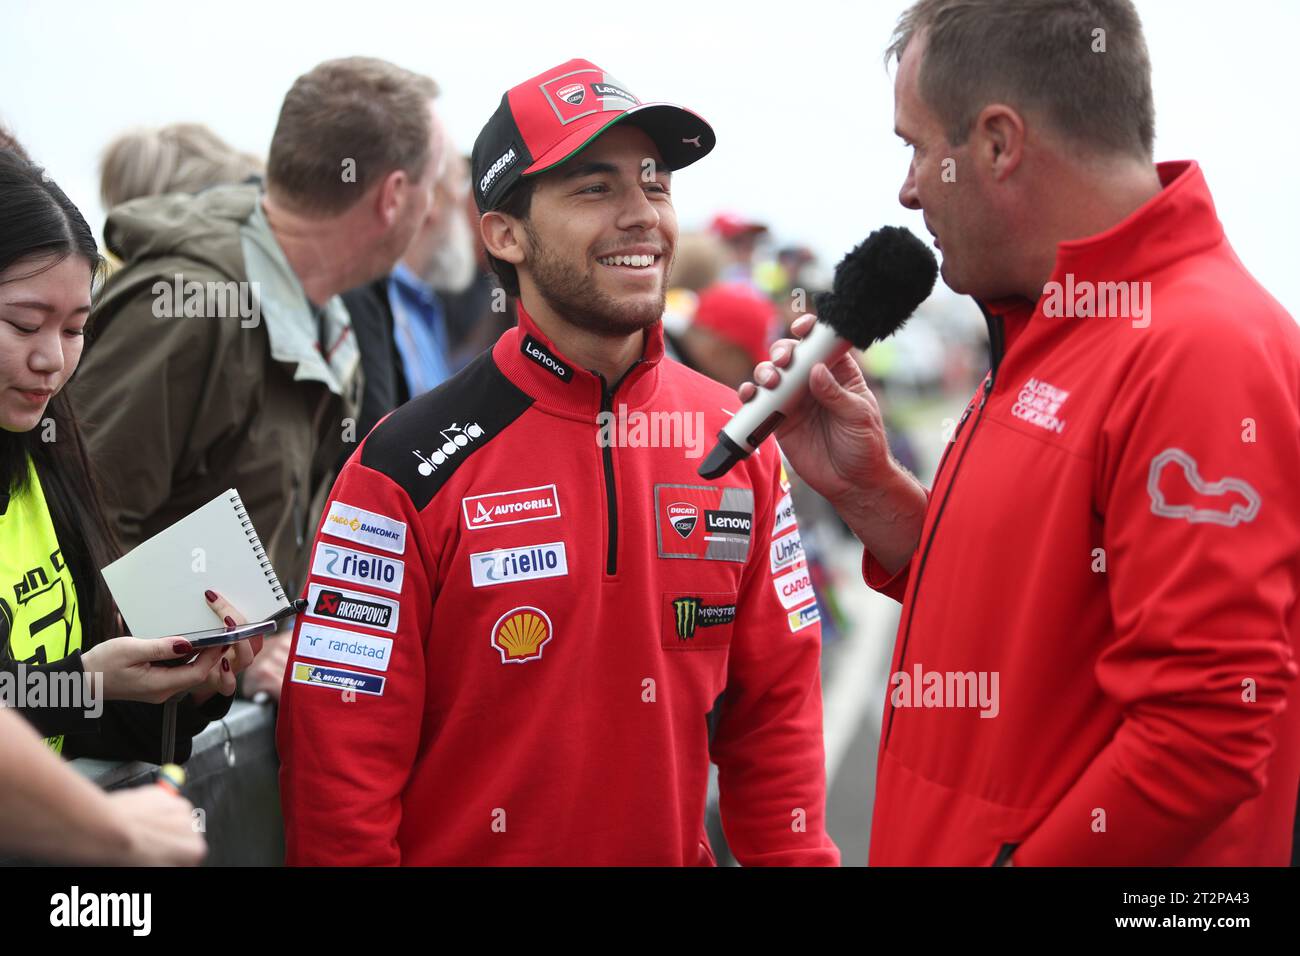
{"x":182,"y":647}
{"x":225,"y":665}
{"x":211,"y":596}
{"x":230,"y":621}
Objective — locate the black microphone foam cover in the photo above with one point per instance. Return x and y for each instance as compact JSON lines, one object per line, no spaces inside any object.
{"x":878,"y":286}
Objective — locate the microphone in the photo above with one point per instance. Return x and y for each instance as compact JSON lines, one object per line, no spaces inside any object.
{"x":877,"y":287}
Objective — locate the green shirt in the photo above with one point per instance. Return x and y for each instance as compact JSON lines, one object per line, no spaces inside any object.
{"x":39,"y":619}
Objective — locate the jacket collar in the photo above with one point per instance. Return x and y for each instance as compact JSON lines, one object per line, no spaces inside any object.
{"x":290,"y":324}
{"x":1179,"y":221}
{"x":532,"y":362}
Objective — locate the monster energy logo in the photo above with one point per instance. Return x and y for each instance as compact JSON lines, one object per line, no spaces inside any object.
{"x":691,"y":613}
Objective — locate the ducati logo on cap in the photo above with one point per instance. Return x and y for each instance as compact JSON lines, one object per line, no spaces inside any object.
{"x":573,"y":94}
{"x":567,"y":95}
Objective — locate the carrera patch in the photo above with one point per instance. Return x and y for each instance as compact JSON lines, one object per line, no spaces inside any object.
{"x":697,"y":621}
{"x":794,"y":587}
{"x":336,"y":678}
{"x":520,"y":634}
{"x":365,"y":527}
{"x":344,"y":647}
{"x":510,"y":507}
{"x":344,"y":564}
{"x":547,"y":359}
{"x":499,"y":165}
{"x":506,"y":565}
{"x":701,"y":521}
{"x":352,"y":607}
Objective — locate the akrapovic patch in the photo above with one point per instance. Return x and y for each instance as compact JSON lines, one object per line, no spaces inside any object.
{"x":352,"y":607}
{"x":701,"y":521}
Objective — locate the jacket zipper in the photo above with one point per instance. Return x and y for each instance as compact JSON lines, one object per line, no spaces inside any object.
{"x":996,"y":348}
{"x":607,"y":458}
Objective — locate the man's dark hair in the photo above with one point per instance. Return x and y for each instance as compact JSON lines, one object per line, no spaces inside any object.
{"x":1082,"y":65}
{"x":517,"y":203}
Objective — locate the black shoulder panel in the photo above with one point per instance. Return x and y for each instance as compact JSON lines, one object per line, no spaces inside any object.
{"x":422,"y":444}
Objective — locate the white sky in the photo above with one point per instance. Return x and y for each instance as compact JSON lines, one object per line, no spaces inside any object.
{"x":795,"y":90}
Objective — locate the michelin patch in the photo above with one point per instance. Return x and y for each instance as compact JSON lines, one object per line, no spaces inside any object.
{"x":336,"y":678}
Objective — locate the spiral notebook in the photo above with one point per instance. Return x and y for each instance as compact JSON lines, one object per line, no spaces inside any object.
{"x":159,"y":586}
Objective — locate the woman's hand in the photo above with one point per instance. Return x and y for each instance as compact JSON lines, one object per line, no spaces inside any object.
{"x":234,"y":658}
{"x":126,"y":665}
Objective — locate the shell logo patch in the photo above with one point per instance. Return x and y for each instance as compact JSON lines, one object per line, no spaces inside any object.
{"x":521,"y":633}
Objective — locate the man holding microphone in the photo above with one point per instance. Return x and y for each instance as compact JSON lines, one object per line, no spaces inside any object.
{"x":1114,"y":529}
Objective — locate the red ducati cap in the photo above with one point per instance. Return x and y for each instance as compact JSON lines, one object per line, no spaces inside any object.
{"x":545,"y":120}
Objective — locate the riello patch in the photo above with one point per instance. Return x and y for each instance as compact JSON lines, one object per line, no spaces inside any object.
{"x":703,"y":522}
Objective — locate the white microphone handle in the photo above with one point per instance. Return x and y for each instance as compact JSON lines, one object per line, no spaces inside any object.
{"x":759,"y":416}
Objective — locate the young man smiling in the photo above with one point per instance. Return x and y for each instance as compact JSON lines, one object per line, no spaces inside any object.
{"x":516,"y":633}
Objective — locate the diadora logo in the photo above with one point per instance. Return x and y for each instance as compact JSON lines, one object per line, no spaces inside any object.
{"x":366,"y":527}
{"x":683,"y":516}
{"x":344,"y":564}
{"x":454,"y":439}
{"x":786,"y":551}
{"x":520,"y":634}
{"x":547,"y":359}
{"x":511,"y":507}
{"x":691,"y":612}
{"x":573,"y":94}
{"x":352,"y":606}
{"x":518,"y":564}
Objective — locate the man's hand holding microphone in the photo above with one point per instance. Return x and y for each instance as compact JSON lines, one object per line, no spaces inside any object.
{"x":828,"y":422}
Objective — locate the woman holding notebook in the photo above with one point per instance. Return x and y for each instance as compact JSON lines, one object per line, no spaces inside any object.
{"x":57,"y":618}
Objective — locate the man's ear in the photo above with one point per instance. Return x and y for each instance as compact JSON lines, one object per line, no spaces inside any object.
{"x":999,"y":135}
{"x":389,"y":195}
{"x":503,"y":237}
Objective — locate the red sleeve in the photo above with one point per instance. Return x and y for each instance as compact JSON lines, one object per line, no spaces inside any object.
{"x":345,"y":754}
{"x":768,"y":744}
{"x":878,"y":579}
{"x":1196,"y":485}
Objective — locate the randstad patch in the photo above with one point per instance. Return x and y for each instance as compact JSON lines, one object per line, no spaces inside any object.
{"x":520,"y":634}
{"x":700,"y":521}
{"x":697,"y":621}
{"x":337,"y":678}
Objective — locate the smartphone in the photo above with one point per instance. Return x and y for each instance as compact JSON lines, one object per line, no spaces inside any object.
{"x":223,"y":636}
